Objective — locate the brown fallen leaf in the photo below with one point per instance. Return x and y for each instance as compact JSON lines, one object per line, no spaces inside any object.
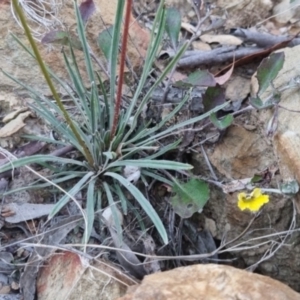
{"x":223,"y":39}
{"x":26,"y":211}
{"x":14,"y":125}
{"x":225,"y":77}
{"x":259,"y":54}
{"x":14,"y":114}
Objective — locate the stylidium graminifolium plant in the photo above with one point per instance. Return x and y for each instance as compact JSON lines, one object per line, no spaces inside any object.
{"x":106,"y":132}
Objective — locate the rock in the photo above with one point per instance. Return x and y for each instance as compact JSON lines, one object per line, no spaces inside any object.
{"x":211,"y":282}
{"x":287,"y":135}
{"x":67,"y":276}
{"x":241,"y":153}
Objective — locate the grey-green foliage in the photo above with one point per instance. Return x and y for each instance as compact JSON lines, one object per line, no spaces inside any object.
{"x":266,"y":72}
{"x":189,"y":197}
{"x":102,"y":178}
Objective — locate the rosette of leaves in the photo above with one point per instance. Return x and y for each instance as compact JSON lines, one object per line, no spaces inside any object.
{"x":108,"y":136}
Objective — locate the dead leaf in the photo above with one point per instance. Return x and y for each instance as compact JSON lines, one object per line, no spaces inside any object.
{"x":6,"y":266}
{"x":26,"y":211}
{"x":224,"y":78}
{"x":238,"y":88}
{"x":14,"y":125}
{"x":126,"y":258}
{"x":223,"y":39}
{"x":13,"y":114}
{"x":188,"y":27}
{"x":5,"y":289}
{"x":199,"y":45}
{"x":259,"y":54}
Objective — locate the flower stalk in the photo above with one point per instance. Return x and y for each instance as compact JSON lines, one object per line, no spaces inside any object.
{"x":121,"y":69}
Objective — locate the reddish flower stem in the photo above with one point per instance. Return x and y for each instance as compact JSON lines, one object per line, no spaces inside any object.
{"x":121,"y":71}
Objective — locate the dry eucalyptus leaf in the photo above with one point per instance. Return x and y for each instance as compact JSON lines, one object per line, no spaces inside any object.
{"x":27,"y":211}
{"x":223,"y":39}
{"x":14,"y":125}
{"x":13,"y":114}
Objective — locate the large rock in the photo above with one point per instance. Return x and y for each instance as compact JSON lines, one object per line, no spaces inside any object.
{"x":241,"y":154}
{"x":211,"y":282}
{"x":68,"y":276}
{"x":287,"y":135}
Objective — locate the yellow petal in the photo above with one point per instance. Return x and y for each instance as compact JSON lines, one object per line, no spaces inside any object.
{"x":258,"y":203}
{"x":242,"y":204}
{"x":241,"y":196}
{"x":256,"y":193}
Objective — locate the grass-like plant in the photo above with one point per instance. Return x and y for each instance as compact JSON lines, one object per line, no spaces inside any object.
{"x":108,"y":134}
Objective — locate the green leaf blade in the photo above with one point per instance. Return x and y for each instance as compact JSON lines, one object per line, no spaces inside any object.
{"x":147,"y":207}
{"x":268,"y":70}
{"x":189,"y":197}
{"x":221,"y":123}
{"x":173,"y":25}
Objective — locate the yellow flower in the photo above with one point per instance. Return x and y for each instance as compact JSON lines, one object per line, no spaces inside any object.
{"x":253,"y":201}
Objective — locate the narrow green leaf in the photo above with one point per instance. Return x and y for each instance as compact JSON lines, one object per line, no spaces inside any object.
{"x":90,"y":211}
{"x":268,"y":70}
{"x":36,"y":185}
{"x":82,"y":37}
{"x":36,"y":159}
{"x":173,"y":25}
{"x":222,"y":123}
{"x":122,"y":198}
{"x":189,"y":197}
{"x":113,"y":57}
{"x":152,"y":164}
{"x":165,"y":149}
{"x":156,"y":177}
{"x":145,"y":204}
{"x":256,"y":102}
{"x":137,"y":215}
{"x":72,"y":192}
{"x":172,"y":129}
{"x":156,"y":37}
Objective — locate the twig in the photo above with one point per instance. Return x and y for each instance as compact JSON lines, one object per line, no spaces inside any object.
{"x":216,"y":56}
{"x":263,"y":39}
{"x":213,"y":174}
